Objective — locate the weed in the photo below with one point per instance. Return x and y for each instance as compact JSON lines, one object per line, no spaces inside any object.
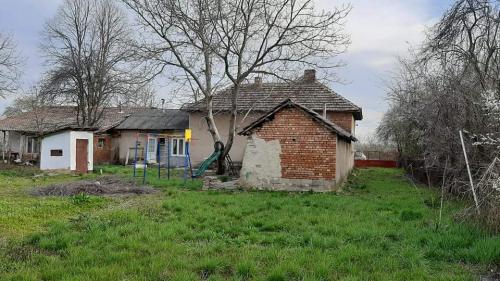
{"x":80,"y":199}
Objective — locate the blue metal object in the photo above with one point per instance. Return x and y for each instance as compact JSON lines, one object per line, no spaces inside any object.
{"x":168,"y":158}
{"x":145,"y":160}
{"x":185,"y":162}
{"x":158,"y":158}
{"x":188,"y":155}
{"x":135,"y":154}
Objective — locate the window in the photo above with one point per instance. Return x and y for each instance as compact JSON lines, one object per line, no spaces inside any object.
{"x":56,"y":152}
{"x":178,"y":147}
{"x":32,"y":145}
{"x":100,"y":143}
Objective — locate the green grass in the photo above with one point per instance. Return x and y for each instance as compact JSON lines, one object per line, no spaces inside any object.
{"x":379,"y":228}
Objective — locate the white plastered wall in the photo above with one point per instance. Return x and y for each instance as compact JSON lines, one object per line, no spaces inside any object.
{"x":261,"y":162}
{"x":54,"y":142}
{"x":66,"y":141}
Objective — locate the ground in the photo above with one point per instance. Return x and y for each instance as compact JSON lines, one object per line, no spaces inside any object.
{"x":379,"y":228}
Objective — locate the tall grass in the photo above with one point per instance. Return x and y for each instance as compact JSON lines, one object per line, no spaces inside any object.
{"x":382,"y":231}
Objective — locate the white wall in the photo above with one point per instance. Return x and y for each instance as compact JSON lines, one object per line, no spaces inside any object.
{"x":66,"y":141}
{"x":51,"y":142}
{"x":261,"y":162}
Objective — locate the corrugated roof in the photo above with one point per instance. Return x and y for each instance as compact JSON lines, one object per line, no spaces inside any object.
{"x":156,"y":119}
{"x":290,"y":103}
{"x":265,"y":96}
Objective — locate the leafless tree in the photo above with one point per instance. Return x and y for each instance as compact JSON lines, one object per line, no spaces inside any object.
{"x":9,"y":65}
{"x":450,"y":84}
{"x":87,"y":45}
{"x":222,"y":43}
{"x":33,"y":100}
{"x":143,"y":97}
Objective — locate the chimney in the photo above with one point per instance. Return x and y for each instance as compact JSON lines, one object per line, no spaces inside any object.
{"x":258,"y":81}
{"x":309,"y":75}
{"x":120,"y":107}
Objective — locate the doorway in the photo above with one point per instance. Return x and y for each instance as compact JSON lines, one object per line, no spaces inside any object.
{"x":82,"y":156}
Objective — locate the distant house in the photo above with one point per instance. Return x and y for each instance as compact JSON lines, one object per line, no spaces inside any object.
{"x":294,"y":148}
{"x":160,"y":130}
{"x":115,"y":135}
{"x":22,"y":131}
{"x":258,"y":98}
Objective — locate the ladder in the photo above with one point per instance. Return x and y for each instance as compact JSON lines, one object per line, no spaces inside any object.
{"x":230,"y":166}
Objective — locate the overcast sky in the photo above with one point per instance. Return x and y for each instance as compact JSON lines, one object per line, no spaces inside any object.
{"x":380,"y":31}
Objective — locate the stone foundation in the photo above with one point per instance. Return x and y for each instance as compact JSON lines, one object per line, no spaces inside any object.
{"x":280,"y":184}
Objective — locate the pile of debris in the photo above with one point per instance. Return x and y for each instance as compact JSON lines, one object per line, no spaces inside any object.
{"x":220,"y":182}
{"x":107,"y":185}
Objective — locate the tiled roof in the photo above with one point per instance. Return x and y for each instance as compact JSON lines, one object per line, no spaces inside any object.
{"x":290,"y":103}
{"x":156,"y":119}
{"x":53,"y":117}
{"x":263,"y":97}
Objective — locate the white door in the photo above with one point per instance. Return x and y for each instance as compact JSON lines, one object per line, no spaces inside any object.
{"x":152,"y":150}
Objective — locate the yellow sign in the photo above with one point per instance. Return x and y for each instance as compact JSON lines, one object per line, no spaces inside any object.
{"x":187,"y":135}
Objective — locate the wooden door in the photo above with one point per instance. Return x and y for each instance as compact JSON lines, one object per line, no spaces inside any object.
{"x":82,"y":155}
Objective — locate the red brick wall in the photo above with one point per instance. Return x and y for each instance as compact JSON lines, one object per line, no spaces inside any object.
{"x":308,"y":150}
{"x":102,"y":155}
{"x":343,"y":119}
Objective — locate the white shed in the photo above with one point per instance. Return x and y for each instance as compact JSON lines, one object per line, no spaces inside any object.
{"x":67,"y":149}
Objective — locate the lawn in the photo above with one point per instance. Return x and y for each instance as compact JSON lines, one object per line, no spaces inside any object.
{"x":379,"y":228}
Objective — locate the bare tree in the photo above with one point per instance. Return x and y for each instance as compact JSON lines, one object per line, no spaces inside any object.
{"x":143,"y":97}
{"x":222,"y":43}
{"x":87,"y":45}
{"x":9,"y":65}
{"x":450,"y":84}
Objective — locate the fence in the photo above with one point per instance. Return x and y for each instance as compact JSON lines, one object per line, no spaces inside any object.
{"x":377,"y":158}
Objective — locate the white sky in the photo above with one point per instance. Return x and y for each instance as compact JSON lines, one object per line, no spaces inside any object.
{"x":380,"y":31}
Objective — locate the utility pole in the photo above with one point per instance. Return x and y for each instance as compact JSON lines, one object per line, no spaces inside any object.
{"x":468,"y":171}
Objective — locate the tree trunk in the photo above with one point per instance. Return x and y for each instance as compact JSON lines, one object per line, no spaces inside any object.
{"x":232,"y":128}
{"x":214,"y":132}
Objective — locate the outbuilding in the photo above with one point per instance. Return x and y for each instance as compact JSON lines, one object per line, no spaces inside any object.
{"x":294,"y":148}
{"x":68,"y":148}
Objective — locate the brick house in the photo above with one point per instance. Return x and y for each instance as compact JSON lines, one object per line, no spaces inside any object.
{"x":294,"y":148}
{"x":258,"y":98}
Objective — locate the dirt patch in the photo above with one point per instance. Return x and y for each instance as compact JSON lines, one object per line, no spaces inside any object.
{"x":107,"y":185}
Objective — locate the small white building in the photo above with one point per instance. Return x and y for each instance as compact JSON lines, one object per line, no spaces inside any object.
{"x":67,"y":149}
